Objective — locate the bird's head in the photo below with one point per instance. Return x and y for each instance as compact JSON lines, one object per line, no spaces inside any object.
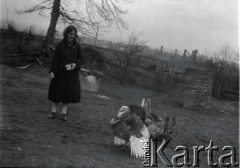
{"x":122,"y":111}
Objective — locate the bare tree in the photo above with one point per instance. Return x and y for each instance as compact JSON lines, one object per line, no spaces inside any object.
{"x":129,"y":48}
{"x":225,"y":68}
{"x":222,"y":59}
{"x":85,"y":14}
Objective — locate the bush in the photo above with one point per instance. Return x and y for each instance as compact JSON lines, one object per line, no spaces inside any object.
{"x":92,"y":58}
{"x":16,"y":42}
{"x":225,"y":68}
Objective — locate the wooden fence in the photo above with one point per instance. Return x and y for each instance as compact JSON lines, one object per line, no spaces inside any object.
{"x":145,"y":71}
{"x":229,"y":94}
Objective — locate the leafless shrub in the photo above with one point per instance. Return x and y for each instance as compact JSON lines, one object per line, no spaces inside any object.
{"x":18,"y":42}
{"x":129,"y":48}
{"x":9,"y":25}
{"x":224,"y":65}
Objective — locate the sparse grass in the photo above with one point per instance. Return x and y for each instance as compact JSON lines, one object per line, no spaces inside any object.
{"x":29,"y":139}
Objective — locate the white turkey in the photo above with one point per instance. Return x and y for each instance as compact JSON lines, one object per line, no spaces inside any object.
{"x":129,"y":129}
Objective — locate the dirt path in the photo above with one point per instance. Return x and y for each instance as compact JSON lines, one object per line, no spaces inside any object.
{"x":29,"y":139}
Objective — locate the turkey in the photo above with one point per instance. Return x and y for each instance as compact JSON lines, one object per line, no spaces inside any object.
{"x":129,"y":129}
{"x":134,"y":125}
{"x":158,"y":127}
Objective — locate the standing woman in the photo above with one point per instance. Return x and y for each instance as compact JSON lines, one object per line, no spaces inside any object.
{"x":66,"y":62}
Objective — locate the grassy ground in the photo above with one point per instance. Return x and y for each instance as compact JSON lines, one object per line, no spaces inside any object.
{"x":29,"y":139}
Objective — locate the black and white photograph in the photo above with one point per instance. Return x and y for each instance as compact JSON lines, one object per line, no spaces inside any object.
{"x":119,"y":83}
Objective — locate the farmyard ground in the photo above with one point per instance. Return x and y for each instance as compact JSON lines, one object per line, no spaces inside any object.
{"x":29,"y":139}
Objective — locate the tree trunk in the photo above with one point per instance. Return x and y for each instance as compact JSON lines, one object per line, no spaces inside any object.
{"x":53,"y":22}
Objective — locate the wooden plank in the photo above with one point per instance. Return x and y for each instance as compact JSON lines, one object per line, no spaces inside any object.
{"x":230,"y":96}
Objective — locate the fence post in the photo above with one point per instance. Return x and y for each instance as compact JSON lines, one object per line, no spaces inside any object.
{"x":184,"y":54}
{"x":138,"y":60}
{"x":194,"y":55}
{"x":219,"y":91}
{"x":161,"y":51}
{"x":166,"y":66}
{"x":176,"y":52}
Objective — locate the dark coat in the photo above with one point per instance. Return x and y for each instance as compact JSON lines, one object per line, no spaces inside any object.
{"x":65,"y":86}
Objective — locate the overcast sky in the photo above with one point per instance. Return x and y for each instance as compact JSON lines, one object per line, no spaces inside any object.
{"x":174,"y":24}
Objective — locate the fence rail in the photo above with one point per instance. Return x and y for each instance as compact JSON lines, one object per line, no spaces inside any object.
{"x":137,"y":60}
{"x":229,"y":94}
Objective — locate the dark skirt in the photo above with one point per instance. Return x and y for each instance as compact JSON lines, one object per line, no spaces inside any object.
{"x":65,"y":87}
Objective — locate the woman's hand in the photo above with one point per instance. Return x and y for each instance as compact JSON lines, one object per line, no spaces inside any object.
{"x":51,"y":75}
{"x":73,"y":66}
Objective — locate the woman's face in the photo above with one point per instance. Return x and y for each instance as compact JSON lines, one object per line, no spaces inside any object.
{"x":71,"y":36}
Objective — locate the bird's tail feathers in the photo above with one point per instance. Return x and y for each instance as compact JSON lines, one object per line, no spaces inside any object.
{"x":119,"y":141}
{"x":137,"y":147}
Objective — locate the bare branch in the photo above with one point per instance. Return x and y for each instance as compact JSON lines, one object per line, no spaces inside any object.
{"x":87,"y":15}
{"x":44,"y":5}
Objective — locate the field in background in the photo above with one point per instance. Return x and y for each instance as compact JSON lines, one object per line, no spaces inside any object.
{"x":29,"y":139}
{"x":23,"y":48}
{"x":156,"y":70}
